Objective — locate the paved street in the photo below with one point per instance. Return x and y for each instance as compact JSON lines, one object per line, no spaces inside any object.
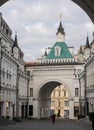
{"x":47,"y":125}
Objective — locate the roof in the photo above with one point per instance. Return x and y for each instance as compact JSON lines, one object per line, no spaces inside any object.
{"x":64,"y":51}
{"x":60,"y":29}
{"x":28,"y":64}
{"x":87,"y":43}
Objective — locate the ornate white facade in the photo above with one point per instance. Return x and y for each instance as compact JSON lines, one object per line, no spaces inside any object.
{"x":13,"y":80}
{"x":51,"y":71}
{"x":29,"y":95}
{"x":87,"y":82}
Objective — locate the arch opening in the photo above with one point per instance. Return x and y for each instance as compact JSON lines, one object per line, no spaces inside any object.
{"x":46,"y":98}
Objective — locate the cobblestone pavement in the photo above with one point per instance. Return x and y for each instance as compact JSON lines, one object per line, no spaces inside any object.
{"x":47,"y":125}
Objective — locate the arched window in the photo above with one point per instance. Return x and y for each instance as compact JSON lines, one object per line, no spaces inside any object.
{"x":57,"y":51}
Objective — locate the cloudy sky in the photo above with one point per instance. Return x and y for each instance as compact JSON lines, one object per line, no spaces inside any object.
{"x":36,"y":23}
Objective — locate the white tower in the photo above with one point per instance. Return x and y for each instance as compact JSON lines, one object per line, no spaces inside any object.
{"x":60,"y":32}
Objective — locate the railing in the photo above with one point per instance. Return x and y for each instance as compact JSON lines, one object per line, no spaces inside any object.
{"x":55,"y":61}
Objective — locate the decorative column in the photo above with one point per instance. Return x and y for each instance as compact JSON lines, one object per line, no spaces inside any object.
{"x":71,"y":109}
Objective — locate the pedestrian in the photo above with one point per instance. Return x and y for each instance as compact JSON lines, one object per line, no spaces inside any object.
{"x":53,"y":118}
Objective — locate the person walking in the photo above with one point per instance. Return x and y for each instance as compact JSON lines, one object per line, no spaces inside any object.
{"x":53,"y":118}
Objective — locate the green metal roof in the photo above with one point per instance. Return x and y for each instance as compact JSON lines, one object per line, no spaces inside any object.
{"x":64,"y":51}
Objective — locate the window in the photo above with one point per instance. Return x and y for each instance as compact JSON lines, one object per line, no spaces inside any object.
{"x":7,"y":31}
{"x":59,"y":93}
{"x":52,"y":103}
{"x":76,"y":92}
{"x":64,"y":93}
{"x":59,"y":103}
{"x":53,"y":94}
{"x":57,"y":51}
{"x":3,"y":72}
{"x":66,"y":103}
{"x":78,"y":71}
{"x":31,"y":92}
{"x":28,"y":73}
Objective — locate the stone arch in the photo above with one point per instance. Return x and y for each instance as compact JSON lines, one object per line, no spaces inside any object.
{"x":87,"y":6}
{"x":42,"y":101}
{"x":42,"y":88}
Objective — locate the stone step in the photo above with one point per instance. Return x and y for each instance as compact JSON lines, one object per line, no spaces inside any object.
{"x":4,"y":121}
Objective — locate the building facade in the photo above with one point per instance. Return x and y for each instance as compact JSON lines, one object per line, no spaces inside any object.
{"x":56,"y":68}
{"x":87,"y":80}
{"x":60,"y":102}
{"x":13,"y":79}
{"x":27,"y":89}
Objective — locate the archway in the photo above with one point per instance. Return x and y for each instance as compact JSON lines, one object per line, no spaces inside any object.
{"x":87,"y":6}
{"x":42,"y":103}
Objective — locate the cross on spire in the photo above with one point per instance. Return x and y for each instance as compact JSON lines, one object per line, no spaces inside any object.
{"x":60,"y":16}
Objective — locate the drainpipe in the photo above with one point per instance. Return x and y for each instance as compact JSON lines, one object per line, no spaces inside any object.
{"x":80,"y":108}
{"x":27,"y":97}
{"x":17,"y":91}
{"x":85,"y":92}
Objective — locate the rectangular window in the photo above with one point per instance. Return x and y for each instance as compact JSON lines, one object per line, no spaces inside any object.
{"x":78,"y":71}
{"x":31,"y":92}
{"x":53,"y":103}
{"x":53,"y":94}
{"x":28,"y":73}
{"x":30,"y":110}
{"x":59,"y":103}
{"x":59,"y":93}
{"x":64,"y":93}
{"x":66,"y":103}
{"x":76,"y":92}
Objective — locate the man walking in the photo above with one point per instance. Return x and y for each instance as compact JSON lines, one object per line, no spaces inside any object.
{"x":53,"y":118}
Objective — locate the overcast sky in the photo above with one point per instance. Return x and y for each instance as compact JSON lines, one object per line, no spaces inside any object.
{"x":36,"y":23}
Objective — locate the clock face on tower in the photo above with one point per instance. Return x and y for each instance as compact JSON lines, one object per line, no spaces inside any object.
{"x":61,"y":37}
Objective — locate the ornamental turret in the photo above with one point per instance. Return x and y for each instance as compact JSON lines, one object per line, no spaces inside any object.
{"x":87,"y":49}
{"x":60,"y":32}
{"x":15,"y":47}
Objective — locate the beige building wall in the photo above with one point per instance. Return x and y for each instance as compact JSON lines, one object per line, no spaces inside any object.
{"x":60,"y":101}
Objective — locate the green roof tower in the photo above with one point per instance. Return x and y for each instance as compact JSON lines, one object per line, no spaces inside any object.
{"x":60,"y":49}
